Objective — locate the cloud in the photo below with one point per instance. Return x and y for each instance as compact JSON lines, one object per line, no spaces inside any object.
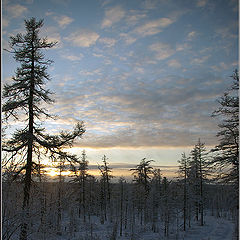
{"x":200,"y":60}
{"x":63,"y":21}
{"x":139,"y":70}
{"x":112,"y":16}
{"x":150,"y":4}
{"x":174,"y":63}
{"x":191,"y":35}
{"x":84,"y":38}
{"x":53,"y":35}
{"x":221,"y":66}
{"x":108,"y":42}
{"x":182,"y":47}
{"x":128,"y":38}
{"x":91,"y":73}
{"x":15,"y":11}
{"x":5,"y":22}
{"x":162,"y":50}
{"x":153,"y":27}
{"x":226,"y":33}
{"x":201,"y":3}
{"x":159,"y":113}
{"x":165,"y":112}
{"x":134,"y":17}
{"x":73,"y":57}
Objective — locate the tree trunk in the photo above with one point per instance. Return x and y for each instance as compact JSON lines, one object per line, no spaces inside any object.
{"x":121,"y":209}
{"x":28,"y":174}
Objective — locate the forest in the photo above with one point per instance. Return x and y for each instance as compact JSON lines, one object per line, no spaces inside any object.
{"x":201,"y":203}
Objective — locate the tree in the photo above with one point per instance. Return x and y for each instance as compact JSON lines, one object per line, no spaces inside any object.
{"x":122,"y":182}
{"x":199,"y":168}
{"x":166,"y":204}
{"x":183,"y":172}
{"x":142,"y":174}
{"x":226,"y":153}
{"x":105,"y":171}
{"x":156,"y":196}
{"x":81,"y":176}
{"x":226,"y":158}
{"x":23,"y":99}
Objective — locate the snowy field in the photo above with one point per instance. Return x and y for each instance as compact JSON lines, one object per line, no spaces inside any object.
{"x":213,"y":229}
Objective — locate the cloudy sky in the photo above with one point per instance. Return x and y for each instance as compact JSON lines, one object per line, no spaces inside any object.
{"x":143,"y":75}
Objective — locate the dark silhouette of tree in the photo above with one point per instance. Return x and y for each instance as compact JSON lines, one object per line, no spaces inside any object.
{"x":226,"y":158}
{"x":156,"y":193}
{"x":142,"y":176}
{"x":166,"y":205}
{"x":226,"y":153}
{"x":81,"y":177}
{"x":122,"y":182}
{"x":198,"y":172}
{"x":106,"y":175}
{"x":183,"y":172}
{"x":23,"y":99}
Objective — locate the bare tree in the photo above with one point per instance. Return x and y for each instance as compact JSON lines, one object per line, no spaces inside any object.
{"x":183,"y":172}
{"x":23,"y":99}
{"x":198,"y":171}
{"x":226,"y":153}
{"x":226,"y":158}
{"x":81,"y":176}
{"x":106,"y":175}
{"x":142,"y":176}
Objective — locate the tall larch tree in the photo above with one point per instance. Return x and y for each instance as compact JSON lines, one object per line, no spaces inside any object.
{"x":198,"y":172}
{"x":23,"y":99}
{"x":142,"y":176}
{"x":106,"y":176}
{"x":226,"y":158}
{"x":226,"y":153}
{"x":183,"y":174}
{"x":81,"y":175}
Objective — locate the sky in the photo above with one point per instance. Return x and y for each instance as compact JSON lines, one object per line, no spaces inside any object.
{"x":143,"y":75}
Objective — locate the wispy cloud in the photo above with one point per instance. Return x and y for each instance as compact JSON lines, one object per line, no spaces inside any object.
{"x":182,"y":47}
{"x":112,"y":15}
{"x":153,"y":27}
{"x":91,"y":73}
{"x":16,"y":10}
{"x":84,"y":38}
{"x":170,"y":109}
{"x":53,"y":35}
{"x":162,"y":50}
{"x":5,"y":22}
{"x":108,"y":42}
{"x":191,"y":35}
{"x":72,"y":57}
{"x":150,"y":4}
{"x":201,"y":3}
{"x":134,"y":17}
{"x":174,"y":63}
{"x":221,"y":66}
{"x":225,"y":33}
{"x":63,"y":21}
{"x":128,"y":38}
{"x":200,"y":60}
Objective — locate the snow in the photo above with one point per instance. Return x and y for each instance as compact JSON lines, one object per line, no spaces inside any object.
{"x":213,"y":229}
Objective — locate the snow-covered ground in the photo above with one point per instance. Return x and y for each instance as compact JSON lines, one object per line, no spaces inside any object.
{"x":213,"y":229}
